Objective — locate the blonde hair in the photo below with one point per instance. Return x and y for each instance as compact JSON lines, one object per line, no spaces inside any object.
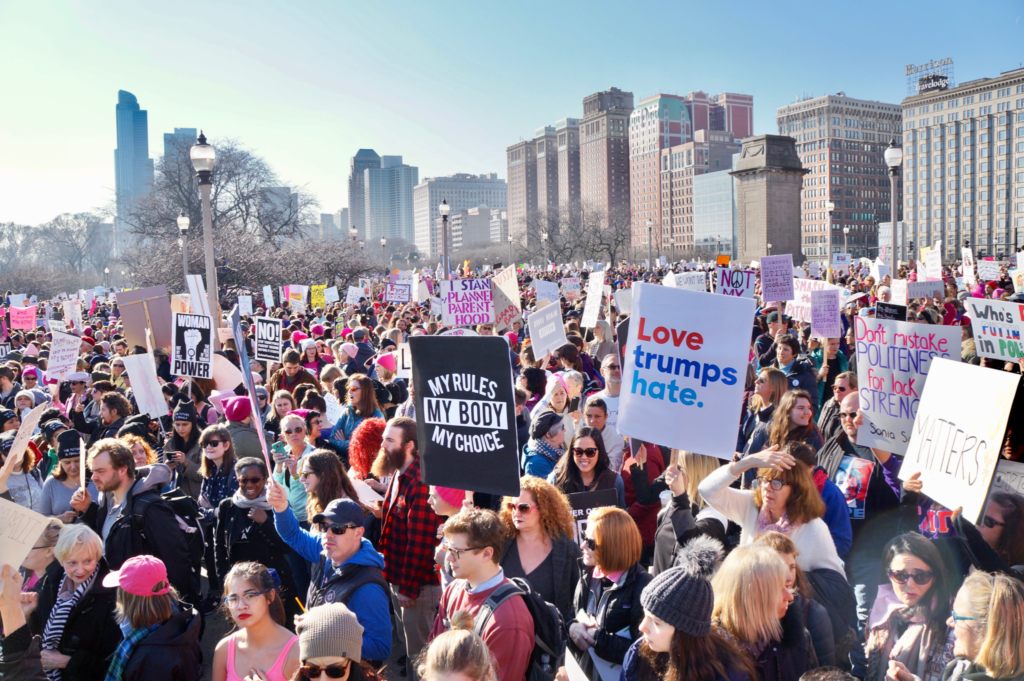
{"x":996,"y":603}
{"x":458,"y":651}
{"x":77,"y":539}
{"x":290,"y":417}
{"x":747,"y":590}
{"x":697,"y":467}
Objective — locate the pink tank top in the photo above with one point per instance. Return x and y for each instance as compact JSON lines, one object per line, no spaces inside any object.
{"x":275,"y":673}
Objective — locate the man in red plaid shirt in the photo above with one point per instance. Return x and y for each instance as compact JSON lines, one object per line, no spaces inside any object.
{"x":408,"y":538}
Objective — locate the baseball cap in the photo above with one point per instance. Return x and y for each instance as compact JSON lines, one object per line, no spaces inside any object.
{"x":340,"y":512}
{"x":140,"y":576}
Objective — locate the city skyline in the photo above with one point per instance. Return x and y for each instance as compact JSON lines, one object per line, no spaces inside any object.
{"x":307,"y":106}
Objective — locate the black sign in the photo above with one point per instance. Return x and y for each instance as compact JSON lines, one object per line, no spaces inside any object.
{"x":192,"y":349}
{"x":466,"y":413}
{"x":268,"y":339}
{"x":5,"y":349}
{"x":932,"y":82}
{"x":585,"y":502}
{"x":890,"y":311}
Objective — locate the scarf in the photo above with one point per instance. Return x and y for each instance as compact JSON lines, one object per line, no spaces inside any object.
{"x":55,"y":624}
{"x":546,"y":450}
{"x":124,"y":652}
{"x":765,"y":524}
{"x":259,"y":502}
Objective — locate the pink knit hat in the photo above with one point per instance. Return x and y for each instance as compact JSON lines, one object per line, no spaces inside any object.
{"x":350,"y":349}
{"x":451,"y":496}
{"x":387,"y":360}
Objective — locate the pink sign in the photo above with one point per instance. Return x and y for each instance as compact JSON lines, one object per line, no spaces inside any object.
{"x":23,"y":317}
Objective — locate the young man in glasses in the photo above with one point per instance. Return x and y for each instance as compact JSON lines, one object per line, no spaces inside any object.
{"x":474,"y":540}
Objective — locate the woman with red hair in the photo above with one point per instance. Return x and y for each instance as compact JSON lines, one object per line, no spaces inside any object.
{"x":363,"y":449}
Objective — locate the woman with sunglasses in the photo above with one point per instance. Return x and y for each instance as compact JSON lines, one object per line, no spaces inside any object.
{"x":908,"y":622}
{"x":324,"y":480}
{"x":769,"y":387}
{"x":585,"y":467}
{"x":261,"y":647}
{"x":219,"y":483}
{"x":540,"y":546}
{"x":281,"y":404}
{"x":362,"y":404}
{"x":246,"y":531}
{"x":330,"y":646}
{"x":997,"y":543}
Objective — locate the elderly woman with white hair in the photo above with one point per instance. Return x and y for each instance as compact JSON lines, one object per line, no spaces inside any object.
{"x":561,"y":390}
{"x":72,"y":611}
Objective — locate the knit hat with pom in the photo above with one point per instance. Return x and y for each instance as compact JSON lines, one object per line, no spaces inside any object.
{"x":682,"y":596}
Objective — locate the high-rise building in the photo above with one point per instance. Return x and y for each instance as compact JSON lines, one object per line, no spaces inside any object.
{"x":388,"y":205}
{"x":462,"y":191}
{"x":963,"y":166}
{"x":547,"y":168}
{"x":714,"y":213}
{"x":364,"y":159}
{"x":604,"y":150}
{"x":727,"y":112}
{"x":341,"y":223}
{"x":133,"y":168}
{"x":471,"y":228}
{"x":841,"y":141}
{"x":522,"y":186}
{"x":499,"y":226}
{"x":328,"y":229}
{"x":568,"y":131}
{"x":181,"y":138}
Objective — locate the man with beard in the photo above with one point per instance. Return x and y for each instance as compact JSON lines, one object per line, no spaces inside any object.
{"x":128,"y":531}
{"x":407,"y":537}
{"x":611,"y":371}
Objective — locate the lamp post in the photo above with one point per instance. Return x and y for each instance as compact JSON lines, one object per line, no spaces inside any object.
{"x":544,"y":240}
{"x":893,"y":159}
{"x":650,"y":243}
{"x":509,"y":249}
{"x":106,"y":271}
{"x":383,"y":255}
{"x":353,"y":232}
{"x":830,"y":207}
{"x":183,"y":223}
{"x":362,"y":245}
{"x":846,"y":237}
{"x":769,"y":249}
{"x":718,"y":246}
{"x":444,"y":209}
{"x":203,"y":157}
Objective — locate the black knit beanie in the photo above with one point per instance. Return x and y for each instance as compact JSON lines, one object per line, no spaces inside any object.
{"x":682,"y":595}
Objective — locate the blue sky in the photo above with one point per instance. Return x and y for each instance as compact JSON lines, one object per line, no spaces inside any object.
{"x":448,"y":85}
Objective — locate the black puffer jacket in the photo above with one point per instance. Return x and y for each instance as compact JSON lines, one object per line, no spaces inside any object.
{"x":171,"y":652}
{"x":790,"y":657}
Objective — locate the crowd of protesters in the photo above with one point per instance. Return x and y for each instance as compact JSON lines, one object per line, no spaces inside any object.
{"x":337,"y":561}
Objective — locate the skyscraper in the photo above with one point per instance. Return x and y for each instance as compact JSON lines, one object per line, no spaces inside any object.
{"x":180,"y":138}
{"x":568,"y":131}
{"x":387,"y":200}
{"x":547,"y":168}
{"x":462,"y":191}
{"x":342,"y":224}
{"x":522,"y":186}
{"x":133,"y":168}
{"x":604,"y":150}
{"x":364,"y":158}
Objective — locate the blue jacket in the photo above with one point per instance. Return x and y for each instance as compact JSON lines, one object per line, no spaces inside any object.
{"x":370,"y":602}
{"x":536,"y":463}
{"x":343,"y":429}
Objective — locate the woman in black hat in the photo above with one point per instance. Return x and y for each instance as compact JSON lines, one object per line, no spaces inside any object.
{"x":545,"y":446}
{"x":65,"y":477}
{"x":182,"y":449}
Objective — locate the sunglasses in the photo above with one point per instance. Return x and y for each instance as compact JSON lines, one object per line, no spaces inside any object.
{"x":305,"y":474}
{"x":991,"y":522}
{"x":335,"y":671}
{"x":774,"y":484}
{"x":250,"y":481}
{"x":589,"y":452}
{"x":77,"y":382}
{"x":847,"y":415}
{"x":353,"y":389}
{"x":339,"y":530}
{"x":839,"y":389}
{"x":590,"y":543}
{"x":521,"y":507}
{"x":920,"y":577}
{"x":292,"y":431}
{"x":214,"y":443}
{"x":612,"y":367}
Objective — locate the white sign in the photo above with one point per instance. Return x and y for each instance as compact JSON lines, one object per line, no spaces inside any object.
{"x":998,"y":327}
{"x":736,"y":283}
{"x":268,"y":339}
{"x":777,"y":278}
{"x":825,"y":322}
{"x":595,"y":289}
{"x":331,"y":294}
{"x":571,"y":288}
{"x":685,"y":361}
{"x":353,"y":295}
{"x":841,"y":262}
{"x":192,"y":346}
{"x":958,"y":433}
{"x":546,"y":330}
{"x":933,"y":265}
{"x":245,"y":306}
{"x":506,"y":281}
{"x":988,"y":270}
{"x":435,"y":306}
{"x":879,"y":270}
{"x":58,"y":325}
{"x":894,"y":360}
{"x":899,"y":291}
{"x":145,"y":385}
{"x":403,"y":361}
{"x":197,"y":292}
{"x":73,"y":313}
{"x":925,"y":289}
{"x":624,"y":300}
{"x":813,"y":268}
{"x":63,"y":355}
{"x":467,"y":302}
{"x":398,"y":293}
{"x":21,"y":528}
{"x":693,"y":281}
{"x":547,"y":290}
{"x":800,"y":307}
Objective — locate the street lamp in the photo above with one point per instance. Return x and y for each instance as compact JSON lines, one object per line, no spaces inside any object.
{"x":353,"y":232}
{"x":893,"y":159}
{"x":383,"y":243}
{"x":509,"y":249}
{"x":183,"y":223}
{"x":203,"y":157}
{"x":718,"y":246}
{"x":846,"y":236}
{"x":362,"y":245}
{"x":444,"y":209}
{"x":769,"y":249}
{"x":650,"y":243}
{"x":829,"y":206}
{"x":544,"y":240}
{"x":106,"y":271}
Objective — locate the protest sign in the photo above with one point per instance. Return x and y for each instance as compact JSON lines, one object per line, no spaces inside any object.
{"x":181,"y":302}
{"x":435,"y":307}
{"x":879,"y":270}
{"x":21,"y":440}
{"x":466,"y":413}
{"x":296,"y":297}
{"x":193,"y":346}
{"x":998,"y":327}
{"x":235,"y":324}
{"x":548,"y":290}
{"x":988,"y":270}
{"x":403,"y":361}
{"x":63,"y":355}
{"x":506,"y":281}
{"x":694,"y":281}
{"x":1009,"y":478}
{"x":899,"y":291}
{"x":736,"y":283}
{"x":268,"y":297}
{"x":23,"y":317}
{"x":466,"y":302}
{"x":505,"y":311}
{"x":145,"y":385}
{"x":933,"y":265}
{"x":353,"y":295}
{"x":624,"y":300}
{"x":571,"y":289}
{"x":224,"y":334}
{"x":841,"y":261}
{"x":582,"y":503}
{"x":20,"y":527}
{"x":268,"y":339}
{"x":890,"y":311}
{"x":460,"y":332}
{"x":777,"y":278}
{"x":546,"y":330}
{"x":722,"y":261}
{"x":5,"y":349}
{"x":367,"y":286}
{"x":798,"y":273}
{"x":813,"y":268}
{"x":825,"y":321}
{"x":894,"y":360}
{"x":197,"y":292}
{"x":72,"y":313}
{"x":398,"y":293}
{"x":147,"y":308}
{"x":956,"y":441}
{"x":316,"y":296}
{"x":58,"y":325}
{"x":800,"y":307}
{"x":18,"y":299}
{"x":925,"y":289}
{"x":684,"y":367}
{"x":245,"y":306}
{"x":331,"y":294}
{"x":595,"y":289}
{"x":967,"y":265}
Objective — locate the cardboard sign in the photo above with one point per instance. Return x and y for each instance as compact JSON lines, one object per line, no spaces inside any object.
{"x":268,"y":339}
{"x":546,"y":330}
{"x":624,"y":300}
{"x":777,"y":278}
{"x":197,"y":292}
{"x":582,"y":503}
{"x":890,"y":312}
{"x":736,"y":283}
{"x":63,"y":355}
{"x":685,"y":360}
{"x":331,"y":294}
{"x":466,"y":413}
{"x":193,"y":346}
{"x":145,"y":384}
{"x":595,"y":289}
{"x":988,"y":270}
{"x":398,"y":293}
{"x":956,"y":440}
{"x":894,"y":360}
{"x":224,"y":334}
{"x":20,"y":527}
{"x":800,"y":307}
{"x":147,"y":308}
{"x":997,"y":327}
{"x":353,"y":295}
{"x":548,"y":290}
{"x":571,"y":289}
{"x":825,"y":322}
{"x":403,"y":361}
{"x":466,"y":302}
{"x":245,"y":306}
{"x":506,"y":281}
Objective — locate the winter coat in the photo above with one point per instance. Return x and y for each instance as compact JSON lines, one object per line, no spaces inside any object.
{"x":170,"y":652}
{"x":973,"y":672}
{"x":789,"y":658}
{"x":94,"y":429}
{"x":750,"y":423}
{"x":245,"y":440}
{"x":565,"y":564}
{"x":819,"y":626}
{"x":803,"y":376}
{"x":346,"y":425}
{"x":187,"y":476}
{"x":277,"y":381}
{"x":828,"y":419}
{"x":238,"y":538}
{"x":90,"y":633}
{"x":645,"y":514}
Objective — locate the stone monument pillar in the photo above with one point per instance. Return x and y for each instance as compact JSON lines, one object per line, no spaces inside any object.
{"x":769,"y":178}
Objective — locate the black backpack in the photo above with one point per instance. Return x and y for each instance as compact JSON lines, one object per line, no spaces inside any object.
{"x":186,"y":512}
{"x":548,"y":632}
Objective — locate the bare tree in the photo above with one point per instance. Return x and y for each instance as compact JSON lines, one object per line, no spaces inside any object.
{"x":17,"y":246}
{"x":74,"y":241}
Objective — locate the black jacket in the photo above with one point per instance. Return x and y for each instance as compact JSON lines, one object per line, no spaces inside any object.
{"x":828,"y":419}
{"x":819,"y":626}
{"x":565,"y":564}
{"x":803,"y":375}
{"x":789,"y":658}
{"x":764,"y":350}
{"x":751,"y":420}
{"x":618,"y":608}
{"x":91,"y":633}
{"x":160,"y":534}
{"x":8,"y":402}
{"x":238,"y":538}
{"x":22,"y":656}
{"x":172,"y":652}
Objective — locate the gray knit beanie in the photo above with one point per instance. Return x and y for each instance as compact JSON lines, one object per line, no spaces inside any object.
{"x":330,"y":630}
{"x":682,"y":595}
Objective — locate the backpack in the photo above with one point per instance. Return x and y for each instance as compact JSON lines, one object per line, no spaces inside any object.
{"x":548,"y":632}
{"x":186,"y":512}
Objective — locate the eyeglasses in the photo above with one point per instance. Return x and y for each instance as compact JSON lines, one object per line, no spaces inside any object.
{"x":250,"y":481}
{"x":920,"y":577}
{"x":458,"y":552}
{"x":590,"y":543}
{"x":774,"y":484}
{"x":292,"y":431}
{"x":521,"y":507}
{"x":305,"y":474}
{"x":214,"y":443}
{"x":339,"y":530}
{"x":960,"y":618}
{"x":847,"y":415}
{"x":249,"y":597}
{"x":991,"y":522}
{"x":589,"y":452}
{"x":612,"y":367}
{"x":335,"y":671}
